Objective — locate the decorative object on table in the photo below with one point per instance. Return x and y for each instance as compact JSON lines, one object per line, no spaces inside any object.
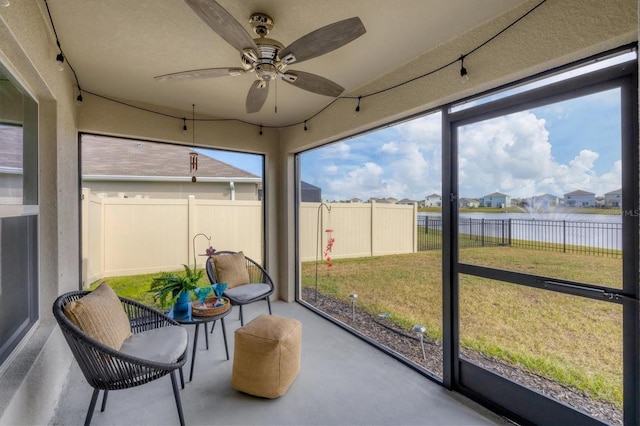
{"x":168,"y":287}
{"x":210,"y":251}
{"x":211,"y":307}
{"x":218,"y":289}
{"x":202,"y":293}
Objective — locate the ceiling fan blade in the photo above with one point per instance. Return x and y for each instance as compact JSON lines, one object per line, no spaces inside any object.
{"x":221,"y":21}
{"x":201,"y":74}
{"x":257,"y":96}
{"x":323,"y":40}
{"x":313,"y":83}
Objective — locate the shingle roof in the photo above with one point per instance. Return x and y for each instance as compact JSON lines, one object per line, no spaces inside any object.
{"x":106,"y":156}
{"x":579,"y":192}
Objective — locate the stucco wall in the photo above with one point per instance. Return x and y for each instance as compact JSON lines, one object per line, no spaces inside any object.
{"x":38,"y":367}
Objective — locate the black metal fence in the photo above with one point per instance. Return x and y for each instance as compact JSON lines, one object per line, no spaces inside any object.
{"x":591,"y":238}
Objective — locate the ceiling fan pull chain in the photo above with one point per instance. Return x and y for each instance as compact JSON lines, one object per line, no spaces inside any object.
{"x":276,"y":106}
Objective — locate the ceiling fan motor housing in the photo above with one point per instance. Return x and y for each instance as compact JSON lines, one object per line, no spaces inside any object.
{"x":261,"y":23}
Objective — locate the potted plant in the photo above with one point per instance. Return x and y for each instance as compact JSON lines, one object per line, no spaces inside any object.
{"x":172,"y":289}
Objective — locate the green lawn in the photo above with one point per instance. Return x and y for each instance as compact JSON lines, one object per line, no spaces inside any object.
{"x":572,"y":340}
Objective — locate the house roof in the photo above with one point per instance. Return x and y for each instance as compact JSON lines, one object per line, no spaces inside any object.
{"x":496,"y":194}
{"x":434,"y":195}
{"x":106,"y":156}
{"x":579,"y":192}
{"x":617,"y":191}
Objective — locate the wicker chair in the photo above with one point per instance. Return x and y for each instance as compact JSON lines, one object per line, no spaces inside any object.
{"x":107,"y":369}
{"x":260,"y":285}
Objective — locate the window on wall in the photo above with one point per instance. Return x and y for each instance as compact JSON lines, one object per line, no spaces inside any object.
{"x":370,"y":227}
{"x":146,"y":210}
{"x":18,"y":214}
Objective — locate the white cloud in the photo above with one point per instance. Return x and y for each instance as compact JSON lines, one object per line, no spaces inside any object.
{"x":511,"y":154}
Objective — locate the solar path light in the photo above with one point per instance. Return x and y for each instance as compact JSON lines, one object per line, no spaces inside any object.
{"x":419,"y":330}
{"x":353,"y":298}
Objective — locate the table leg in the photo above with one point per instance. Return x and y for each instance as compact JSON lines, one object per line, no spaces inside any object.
{"x":193,"y":353}
{"x":206,"y":335}
{"x":224,"y":334}
{"x":181,"y":378}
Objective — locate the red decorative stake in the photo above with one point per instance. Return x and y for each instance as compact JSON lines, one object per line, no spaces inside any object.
{"x":327,"y":250}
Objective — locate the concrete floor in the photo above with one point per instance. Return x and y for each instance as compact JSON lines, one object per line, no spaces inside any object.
{"x":342,"y":381}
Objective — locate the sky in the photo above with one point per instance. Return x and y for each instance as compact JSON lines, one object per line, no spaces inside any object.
{"x":554,"y":149}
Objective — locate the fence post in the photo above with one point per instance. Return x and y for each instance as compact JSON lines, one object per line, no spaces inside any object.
{"x":510,"y":229}
{"x":86,"y":192}
{"x":482,"y":232}
{"x":564,"y":236}
{"x":415,"y":228}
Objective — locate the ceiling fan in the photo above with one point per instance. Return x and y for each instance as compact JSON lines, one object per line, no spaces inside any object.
{"x":268,"y":58}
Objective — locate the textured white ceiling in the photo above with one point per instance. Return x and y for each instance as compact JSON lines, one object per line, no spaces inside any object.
{"x":118,"y":46}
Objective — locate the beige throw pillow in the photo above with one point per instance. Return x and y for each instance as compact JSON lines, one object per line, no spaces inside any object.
{"x":231,"y":269}
{"x":100,"y":314}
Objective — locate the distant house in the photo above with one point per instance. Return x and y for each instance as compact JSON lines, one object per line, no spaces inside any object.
{"x":355,"y":200}
{"x":408,"y":202}
{"x":433,"y":200}
{"x":468,"y":203}
{"x":580,"y":198}
{"x":541,"y":202}
{"x":613,"y":198}
{"x":132,"y":168}
{"x":310,"y":193}
{"x":496,"y":199}
{"x":389,"y":200}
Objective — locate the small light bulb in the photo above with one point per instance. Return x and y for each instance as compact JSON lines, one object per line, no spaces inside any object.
{"x":79,"y":99}
{"x":464,"y":75}
{"x":60,"y":61}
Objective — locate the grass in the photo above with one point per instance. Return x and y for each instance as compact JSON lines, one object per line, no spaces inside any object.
{"x":573,"y":340}
{"x":136,"y":287}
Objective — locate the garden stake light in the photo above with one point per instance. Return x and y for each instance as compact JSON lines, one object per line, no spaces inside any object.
{"x":419,"y":330}
{"x":353,"y":298}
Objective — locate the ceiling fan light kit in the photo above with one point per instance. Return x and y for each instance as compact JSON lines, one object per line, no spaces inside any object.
{"x":268,"y":58}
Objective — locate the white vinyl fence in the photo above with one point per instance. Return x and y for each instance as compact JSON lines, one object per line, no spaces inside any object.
{"x":130,"y":236}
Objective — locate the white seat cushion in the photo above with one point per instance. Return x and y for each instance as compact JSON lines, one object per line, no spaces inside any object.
{"x":164,"y":344}
{"x":246,"y":292}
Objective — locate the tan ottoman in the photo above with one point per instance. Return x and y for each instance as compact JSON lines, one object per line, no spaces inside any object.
{"x":266,"y":356}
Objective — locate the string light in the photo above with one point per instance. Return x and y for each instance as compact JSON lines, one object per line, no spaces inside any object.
{"x":184,"y":126}
{"x":79,"y":98}
{"x":261,"y":130}
{"x":464,"y":75}
{"x":60,"y":61}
